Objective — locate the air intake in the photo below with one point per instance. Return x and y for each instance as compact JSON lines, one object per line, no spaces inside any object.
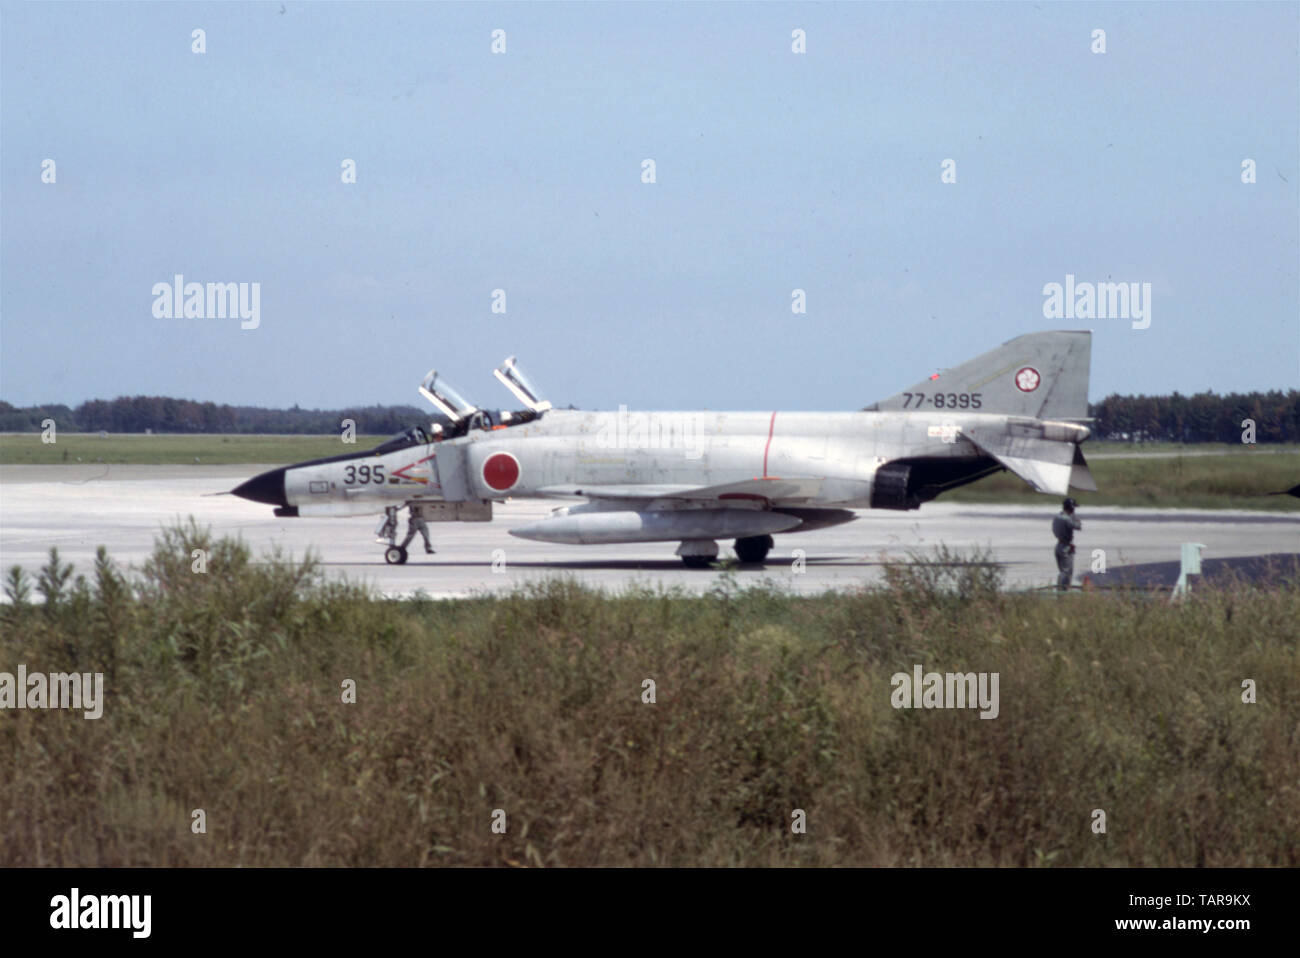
{"x":889,"y":491}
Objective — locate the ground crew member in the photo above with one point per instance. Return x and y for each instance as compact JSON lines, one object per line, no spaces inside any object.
{"x":1063,"y":527}
{"x":414,"y":525}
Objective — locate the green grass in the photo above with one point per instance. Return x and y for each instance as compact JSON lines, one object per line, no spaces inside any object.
{"x":1111,"y":447}
{"x":173,"y":449}
{"x":223,"y":693}
{"x":1237,"y":481}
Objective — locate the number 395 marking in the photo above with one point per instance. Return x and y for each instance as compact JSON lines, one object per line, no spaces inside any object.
{"x":360,"y":475}
{"x":942,"y":400}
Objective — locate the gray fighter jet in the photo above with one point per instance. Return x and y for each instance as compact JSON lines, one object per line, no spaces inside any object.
{"x":697,"y":477}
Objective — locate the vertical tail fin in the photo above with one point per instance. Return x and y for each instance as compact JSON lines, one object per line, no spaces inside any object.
{"x":1042,"y":375}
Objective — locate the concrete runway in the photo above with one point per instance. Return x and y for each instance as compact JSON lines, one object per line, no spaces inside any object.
{"x":78,"y":507}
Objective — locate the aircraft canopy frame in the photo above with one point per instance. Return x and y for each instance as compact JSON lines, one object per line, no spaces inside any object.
{"x":446,"y":398}
{"x":512,"y":376}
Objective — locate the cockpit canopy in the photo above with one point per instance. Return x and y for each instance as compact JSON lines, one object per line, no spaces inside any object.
{"x":446,"y":398}
{"x":415,"y":436}
{"x":511,"y":375}
{"x":462,"y":415}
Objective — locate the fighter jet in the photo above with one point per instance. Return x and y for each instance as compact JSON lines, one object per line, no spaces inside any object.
{"x":698,"y":477}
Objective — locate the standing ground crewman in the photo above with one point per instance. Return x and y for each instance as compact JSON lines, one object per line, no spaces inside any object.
{"x":416,"y":524}
{"x":1063,"y":527}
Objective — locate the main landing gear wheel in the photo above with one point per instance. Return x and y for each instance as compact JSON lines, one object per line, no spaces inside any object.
{"x":752,"y":550}
{"x":698,"y":553}
{"x":395,"y":555}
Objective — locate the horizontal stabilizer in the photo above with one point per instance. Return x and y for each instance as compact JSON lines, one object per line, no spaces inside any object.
{"x":1046,"y":464}
{"x":1047,"y":477}
{"x":1080,"y":474}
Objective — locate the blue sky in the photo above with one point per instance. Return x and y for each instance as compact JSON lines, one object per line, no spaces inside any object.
{"x":522,"y":172}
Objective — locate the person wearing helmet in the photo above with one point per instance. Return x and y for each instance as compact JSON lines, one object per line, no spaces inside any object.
{"x":1063,"y":527}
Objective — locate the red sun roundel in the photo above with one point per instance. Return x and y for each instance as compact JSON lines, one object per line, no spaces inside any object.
{"x":501,"y":471}
{"x":1027,"y":379}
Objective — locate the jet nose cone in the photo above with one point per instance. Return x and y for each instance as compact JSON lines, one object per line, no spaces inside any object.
{"x":268,"y":488}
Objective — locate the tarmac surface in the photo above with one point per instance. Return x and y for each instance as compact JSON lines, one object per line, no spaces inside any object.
{"x":1164,"y":575}
{"x":78,"y":507}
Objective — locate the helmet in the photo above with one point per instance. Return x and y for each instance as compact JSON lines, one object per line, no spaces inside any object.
{"x":1069,"y":504}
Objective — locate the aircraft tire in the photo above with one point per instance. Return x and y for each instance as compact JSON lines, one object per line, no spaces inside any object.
{"x":752,"y":550}
{"x":395,"y":555}
{"x":698,"y":562}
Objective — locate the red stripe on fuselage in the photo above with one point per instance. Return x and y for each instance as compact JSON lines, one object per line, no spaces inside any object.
{"x":770,"y":427}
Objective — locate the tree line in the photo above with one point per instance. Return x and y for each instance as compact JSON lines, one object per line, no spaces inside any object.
{"x":162,"y":414}
{"x":1203,"y":417}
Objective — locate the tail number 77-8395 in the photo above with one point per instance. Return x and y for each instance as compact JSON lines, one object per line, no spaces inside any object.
{"x":942,"y":400}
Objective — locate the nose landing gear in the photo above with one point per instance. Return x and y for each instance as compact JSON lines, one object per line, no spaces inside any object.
{"x":387,"y":533}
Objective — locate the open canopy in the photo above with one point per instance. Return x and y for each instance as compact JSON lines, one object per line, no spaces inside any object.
{"x":446,"y":398}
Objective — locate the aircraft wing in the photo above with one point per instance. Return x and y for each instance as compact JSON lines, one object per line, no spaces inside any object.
{"x":1048,"y":465}
{"x":768,"y":489}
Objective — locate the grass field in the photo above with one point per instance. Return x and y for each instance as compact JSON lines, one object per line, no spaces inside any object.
{"x":224,"y":693}
{"x":1095,"y":447}
{"x":1239,"y":479}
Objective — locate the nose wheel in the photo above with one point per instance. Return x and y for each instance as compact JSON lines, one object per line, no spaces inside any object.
{"x":387,"y":532}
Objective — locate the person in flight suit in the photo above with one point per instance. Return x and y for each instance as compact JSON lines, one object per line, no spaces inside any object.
{"x":414,"y":525}
{"x":1063,"y":527}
